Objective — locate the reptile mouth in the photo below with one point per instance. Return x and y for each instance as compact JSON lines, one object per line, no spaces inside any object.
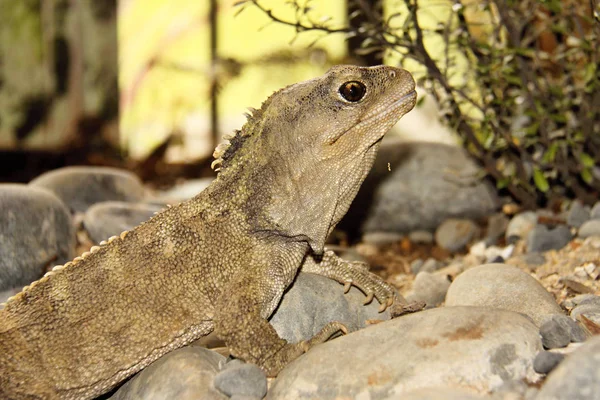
{"x":393,"y":107}
{"x":411,"y":95}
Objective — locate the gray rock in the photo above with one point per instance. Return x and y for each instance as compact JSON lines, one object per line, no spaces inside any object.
{"x":577,"y":377}
{"x":534,"y":259}
{"x":505,"y":287}
{"x":415,"y":266}
{"x":520,"y":226}
{"x":589,"y":228}
{"x":239,"y":378}
{"x":110,"y":218}
{"x":590,"y":310}
{"x":578,"y":214}
{"x":497,"y":225}
{"x":244,"y":397}
{"x":595,"y":212}
{"x":546,"y":361}
{"x":431,"y":265}
{"x":80,"y":187}
{"x":582,"y":299}
{"x":455,"y":234}
{"x":559,"y":330}
{"x":421,"y":237}
{"x":36,"y":232}
{"x":449,"y":346}
{"x":313,"y":301}
{"x":185,"y":190}
{"x":429,"y":288}
{"x":381,"y":238}
{"x":543,"y":239}
{"x":438,"y":393}
{"x":184,"y":374}
{"x":428,"y":183}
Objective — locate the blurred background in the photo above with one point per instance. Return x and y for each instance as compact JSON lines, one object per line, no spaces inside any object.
{"x":151,"y":85}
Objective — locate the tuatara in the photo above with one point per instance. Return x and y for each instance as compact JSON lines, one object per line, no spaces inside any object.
{"x":220,"y":261}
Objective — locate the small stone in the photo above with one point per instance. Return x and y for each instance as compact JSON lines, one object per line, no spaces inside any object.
{"x":578,"y":214}
{"x":505,"y":287}
{"x":546,"y":361}
{"x":543,"y":239}
{"x":582,"y":299}
{"x":520,"y":226}
{"x":534,"y":258}
{"x":80,"y":187}
{"x":110,"y":218}
{"x":244,"y":397}
{"x":478,"y":249}
{"x":559,"y":330}
{"x":454,"y":234}
{"x":185,"y":190}
{"x":313,"y":301}
{"x":381,"y":238}
{"x":421,"y":237}
{"x":242,"y":379}
{"x":595,"y":213}
{"x":429,"y":288}
{"x":496,"y":228}
{"x":589,"y":310}
{"x":498,"y":253}
{"x":577,"y":377}
{"x":415,"y":265}
{"x":184,"y":374}
{"x":589,"y":228}
{"x":36,"y":233}
{"x":431,"y":265}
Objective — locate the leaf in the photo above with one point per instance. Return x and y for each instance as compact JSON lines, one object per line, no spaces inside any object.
{"x":540,"y":180}
{"x":587,"y":160}
{"x":550,"y":154}
{"x":586,"y":175}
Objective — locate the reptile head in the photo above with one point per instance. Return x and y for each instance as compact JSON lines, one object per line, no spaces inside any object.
{"x":316,"y":140}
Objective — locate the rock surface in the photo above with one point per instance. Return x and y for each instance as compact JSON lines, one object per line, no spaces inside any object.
{"x":470,"y":347}
{"x":438,"y":393}
{"x":184,"y":374}
{"x":36,"y":233}
{"x":520,"y":226}
{"x":546,"y":361}
{"x":578,"y":214}
{"x":543,"y":239}
{"x":313,"y":301}
{"x":559,"y":330}
{"x":502,"y":286}
{"x":428,"y":183}
{"x":110,"y":218}
{"x":186,"y":190}
{"x":577,"y":377}
{"x":589,"y":228}
{"x":454,"y":234}
{"x":242,"y":379}
{"x":80,"y":187}
{"x":429,"y":288}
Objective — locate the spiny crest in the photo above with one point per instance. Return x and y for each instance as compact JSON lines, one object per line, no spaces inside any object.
{"x":232,"y":142}
{"x":59,"y":268}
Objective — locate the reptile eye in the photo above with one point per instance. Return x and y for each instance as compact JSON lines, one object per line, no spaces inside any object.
{"x":353,"y":91}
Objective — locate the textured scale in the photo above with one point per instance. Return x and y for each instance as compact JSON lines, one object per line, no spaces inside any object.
{"x":218,"y":262}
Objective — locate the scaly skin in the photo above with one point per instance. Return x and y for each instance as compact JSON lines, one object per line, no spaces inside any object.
{"x":220,"y":261}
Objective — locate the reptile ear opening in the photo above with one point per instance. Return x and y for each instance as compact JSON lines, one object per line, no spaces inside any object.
{"x":352,"y":91}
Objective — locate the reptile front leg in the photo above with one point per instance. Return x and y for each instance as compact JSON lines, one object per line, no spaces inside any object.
{"x":353,"y":273}
{"x":240,"y":322}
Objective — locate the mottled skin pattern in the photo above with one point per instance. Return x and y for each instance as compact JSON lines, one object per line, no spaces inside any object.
{"x":220,"y":261}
